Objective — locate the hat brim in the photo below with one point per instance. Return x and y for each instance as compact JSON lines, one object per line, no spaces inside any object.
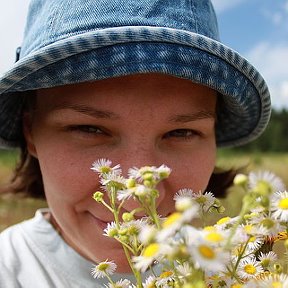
{"x":115,"y":52}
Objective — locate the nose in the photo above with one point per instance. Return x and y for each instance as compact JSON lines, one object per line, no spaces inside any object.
{"x":139,"y":156}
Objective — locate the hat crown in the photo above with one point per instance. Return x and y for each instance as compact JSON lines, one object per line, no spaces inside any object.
{"x":52,"y":20}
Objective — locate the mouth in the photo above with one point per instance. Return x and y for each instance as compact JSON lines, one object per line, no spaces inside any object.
{"x":99,"y":222}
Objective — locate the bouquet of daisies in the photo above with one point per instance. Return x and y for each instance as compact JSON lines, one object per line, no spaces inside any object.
{"x":234,"y":252}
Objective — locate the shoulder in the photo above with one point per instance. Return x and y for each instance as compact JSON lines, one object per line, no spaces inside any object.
{"x":15,"y":241}
{"x":12,"y":241}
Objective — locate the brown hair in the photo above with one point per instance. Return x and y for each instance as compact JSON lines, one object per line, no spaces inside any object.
{"x":27,"y":178}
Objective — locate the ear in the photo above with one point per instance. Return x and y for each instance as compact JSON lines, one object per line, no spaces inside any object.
{"x":27,"y":131}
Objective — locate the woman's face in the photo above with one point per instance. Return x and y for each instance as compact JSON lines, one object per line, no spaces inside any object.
{"x":135,"y":120}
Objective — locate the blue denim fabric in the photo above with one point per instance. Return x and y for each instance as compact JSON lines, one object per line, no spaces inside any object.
{"x":76,"y":41}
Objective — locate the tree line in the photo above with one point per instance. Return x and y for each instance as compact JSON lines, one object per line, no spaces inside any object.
{"x":274,"y":138}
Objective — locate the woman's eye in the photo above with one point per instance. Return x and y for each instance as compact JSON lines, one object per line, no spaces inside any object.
{"x":182,"y":133}
{"x":88,"y":129}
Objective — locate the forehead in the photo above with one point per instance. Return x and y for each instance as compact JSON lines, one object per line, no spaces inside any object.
{"x":142,"y":90}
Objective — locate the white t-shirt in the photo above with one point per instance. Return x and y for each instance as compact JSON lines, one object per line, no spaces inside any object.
{"x":32,"y":254}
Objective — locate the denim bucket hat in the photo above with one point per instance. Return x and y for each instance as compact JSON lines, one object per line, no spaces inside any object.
{"x":76,"y":41}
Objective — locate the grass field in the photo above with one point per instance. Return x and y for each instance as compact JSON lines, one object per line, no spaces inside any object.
{"x":13,"y":210}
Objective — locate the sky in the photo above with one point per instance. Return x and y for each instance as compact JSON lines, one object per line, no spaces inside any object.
{"x":257,"y":29}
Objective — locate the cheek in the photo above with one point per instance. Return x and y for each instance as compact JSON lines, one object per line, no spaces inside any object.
{"x":194,"y":171}
{"x":67,"y":175}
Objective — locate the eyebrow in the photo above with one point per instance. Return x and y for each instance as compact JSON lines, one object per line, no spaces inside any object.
{"x":193,"y":117}
{"x":87,"y":110}
{"x":105,"y":114}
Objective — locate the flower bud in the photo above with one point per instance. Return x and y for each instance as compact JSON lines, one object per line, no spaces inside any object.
{"x":130,"y":183}
{"x":147,"y":176}
{"x":240,"y":180}
{"x":98,"y":196}
{"x":149,"y":183}
{"x":127,"y":217}
{"x":278,"y":268}
{"x":221,"y":209}
{"x":184,"y":203}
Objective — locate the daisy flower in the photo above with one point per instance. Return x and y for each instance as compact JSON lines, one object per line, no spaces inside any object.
{"x":255,"y":242}
{"x":156,"y":173}
{"x":133,"y":227}
{"x":183,"y":193}
{"x":150,"y":282}
{"x":272,"y":226}
{"x":165,"y":279}
{"x":209,"y":258}
{"x":265,"y":181}
{"x":103,"y":269}
{"x":215,"y":237}
{"x":142,"y":191}
{"x":226,"y":222}
{"x":138,"y":173}
{"x":267,"y":259}
{"x":190,"y":235}
{"x":268,"y":281}
{"x":246,"y":236}
{"x":112,"y":178}
{"x":147,"y":234}
{"x":184,"y":199}
{"x":152,"y":253}
{"x":103,"y":166}
{"x":148,"y":257}
{"x":175,"y":221}
{"x":125,"y":194}
{"x":163,"y":171}
{"x":184,"y":269}
{"x":249,"y":268}
{"x":111,"y":230}
{"x":123,"y":283}
{"x":279,"y":206}
{"x":205,"y":200}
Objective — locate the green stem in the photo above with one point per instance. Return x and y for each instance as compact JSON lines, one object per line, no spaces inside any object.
{"x":107,"y":206}
{"x":136,"y":273}
{"x":116,"y":211}
{"x":109,"y":279}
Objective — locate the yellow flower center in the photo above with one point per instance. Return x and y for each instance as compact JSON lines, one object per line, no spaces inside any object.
{"x":105,"y":169}
{"x":250,"y":269}
{"x":263,"y":187}
{"x":214,"y":237}
{"x":206,"y":252}
{"x":166,"y":274}
{"x":265,"y":262}
{"x":248,"y":228}
{"x":223,"y":220}
{"x":209,"y":228}
{"x":236,"y":286}
{"x":171,"y":219}
{"x":103,"y":266}
{"x":283,"y":204}
{"x":268,"y":223}
{"x":252,"y":239}
{"x":201,"y":200}
{"x":277,"y":284}
{"x":151,"y":250}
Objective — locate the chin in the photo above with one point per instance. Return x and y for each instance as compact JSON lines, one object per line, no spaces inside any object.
{"x":115,"y":254}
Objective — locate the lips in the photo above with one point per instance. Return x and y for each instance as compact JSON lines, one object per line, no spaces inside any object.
{"x":100,"y":223}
